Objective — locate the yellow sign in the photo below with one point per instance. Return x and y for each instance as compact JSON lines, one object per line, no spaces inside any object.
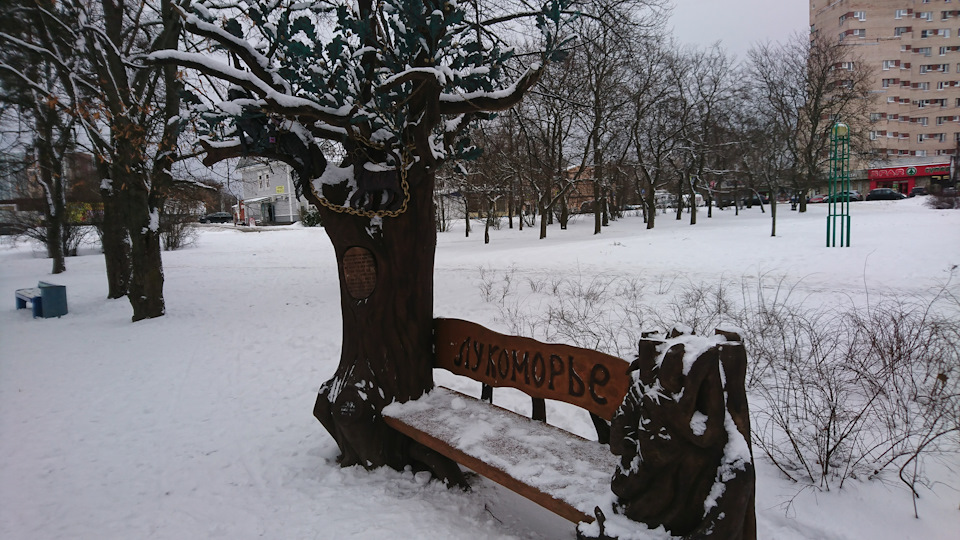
{"x":279,"y":189}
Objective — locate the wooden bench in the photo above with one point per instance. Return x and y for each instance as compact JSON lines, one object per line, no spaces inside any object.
{"x":558,"y":470}
{"x":46,"y":299}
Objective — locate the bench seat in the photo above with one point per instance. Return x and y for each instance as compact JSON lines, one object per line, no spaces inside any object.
{"x":28,"y":294}
{"x":560,"y":471}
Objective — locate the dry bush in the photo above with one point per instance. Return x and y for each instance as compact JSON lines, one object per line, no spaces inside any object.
{"x":836,"y":393}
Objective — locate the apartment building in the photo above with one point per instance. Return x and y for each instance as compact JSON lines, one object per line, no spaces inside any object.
{"x":913,"y":48}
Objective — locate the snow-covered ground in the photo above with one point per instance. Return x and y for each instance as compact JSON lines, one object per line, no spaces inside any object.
{"x":198,"y":424}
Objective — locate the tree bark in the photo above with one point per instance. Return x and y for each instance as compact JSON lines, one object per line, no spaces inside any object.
{"x":651,"y":205}
{"x":116,"y":247}
{"x":544,"y":210}
{"x":50,"y":168}
{"x":387,"y":352}
{"x":773,"y":214}
{"x":141,"y":213}
{"x":597,"y":210}
{"x":564,"y":213}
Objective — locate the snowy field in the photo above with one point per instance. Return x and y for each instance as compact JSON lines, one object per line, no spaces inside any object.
{"x":198,"y":425}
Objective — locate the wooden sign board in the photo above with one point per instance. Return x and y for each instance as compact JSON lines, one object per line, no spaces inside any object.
{"x":588,"y":379}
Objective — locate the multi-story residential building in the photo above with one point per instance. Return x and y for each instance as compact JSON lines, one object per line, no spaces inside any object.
{"x":913,"y":50}
{"x":269,"y":196}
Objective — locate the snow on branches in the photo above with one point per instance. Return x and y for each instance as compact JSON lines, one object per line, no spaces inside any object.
{"x":390,"y":77}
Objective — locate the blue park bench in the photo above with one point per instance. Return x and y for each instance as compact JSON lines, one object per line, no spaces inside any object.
{"x":48,"y":300}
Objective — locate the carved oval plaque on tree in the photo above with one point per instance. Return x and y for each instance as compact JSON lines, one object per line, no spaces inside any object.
{"x":359,"y":272}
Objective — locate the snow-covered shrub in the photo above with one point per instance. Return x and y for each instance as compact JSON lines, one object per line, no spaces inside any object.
{"x":944,"y":202}
{"x":835,"y":393}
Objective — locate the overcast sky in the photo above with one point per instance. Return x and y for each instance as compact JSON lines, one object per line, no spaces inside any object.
{"x":738,"y":24}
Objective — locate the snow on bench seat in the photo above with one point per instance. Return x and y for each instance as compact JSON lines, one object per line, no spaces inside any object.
{"x":28,"y":294}
{"x":558,"y":470}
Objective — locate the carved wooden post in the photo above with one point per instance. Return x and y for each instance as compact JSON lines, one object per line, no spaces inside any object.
{"x":683,"y":434}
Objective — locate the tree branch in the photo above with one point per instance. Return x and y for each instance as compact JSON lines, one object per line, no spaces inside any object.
{"x":490,"y":101}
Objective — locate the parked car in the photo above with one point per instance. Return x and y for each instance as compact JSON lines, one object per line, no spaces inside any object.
{"x":819,"y":198}
{"x":885,"y":194}
{"x":918,"y":191}
{"x":217,"y":217}
{"x":751,"y":200}
{"x":844,"y":196}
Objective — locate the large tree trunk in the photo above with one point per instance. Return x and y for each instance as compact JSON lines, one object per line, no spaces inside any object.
{"x":773,"y":214}
{"x":386,"y":298}
{"x":146,"y":276}
{"x":50,"y":175}
{"x":597,"y":209}
{"x":116,"y":245}
{"x":651,"y":207}
{"x":544,"y":211}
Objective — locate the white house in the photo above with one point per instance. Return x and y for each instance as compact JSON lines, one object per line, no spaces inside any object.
{"x":268,"y":193}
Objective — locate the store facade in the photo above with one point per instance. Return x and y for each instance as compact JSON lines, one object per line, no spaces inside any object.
{"x":903,"y":179}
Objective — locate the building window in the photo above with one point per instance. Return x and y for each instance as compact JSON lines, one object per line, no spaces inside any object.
{"x":943,"y":84}
{"x":873,"y":135}
{"x":875,"y":117}
{"x":887,"y":83}
{"x":922,"y":86}
{"x":892,"y":99}
{"x":860,"y":15}
{"x":899,"y":31}
{"x":923,"y":50}
{"x":925,"y":15}
{"x":921,"y":153}
{"x":860,"y":32}
{"x":890,"y":64}
{"x":901,"y":13}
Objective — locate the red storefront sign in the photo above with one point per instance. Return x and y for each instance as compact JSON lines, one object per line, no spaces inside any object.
{"x":892,"y":173}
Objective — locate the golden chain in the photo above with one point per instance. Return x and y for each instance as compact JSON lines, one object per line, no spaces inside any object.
{"x":404,"y":185}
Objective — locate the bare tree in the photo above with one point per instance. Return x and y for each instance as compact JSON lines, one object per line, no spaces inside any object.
{"x":659,"y":120}
{"x":804,"y":87}
{"x":708,"y":90}
{"x":37,"y":64}
{"x":547,"y":124}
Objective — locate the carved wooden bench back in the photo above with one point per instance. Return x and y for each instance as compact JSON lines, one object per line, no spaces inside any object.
{"x":588,"y":379}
